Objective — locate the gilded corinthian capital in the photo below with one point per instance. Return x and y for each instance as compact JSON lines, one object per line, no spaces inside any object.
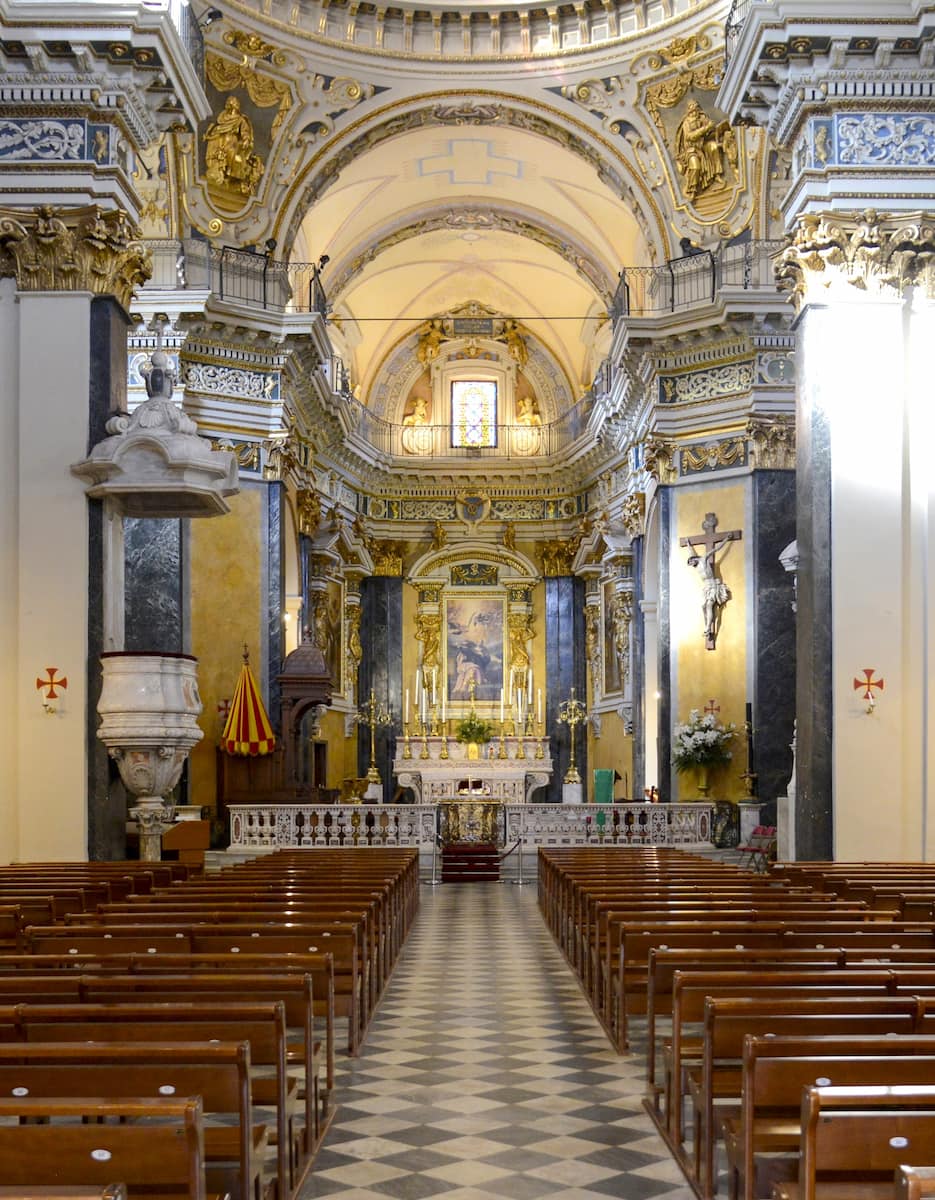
{"x":831,"y":253}
{"x":90,"y":249}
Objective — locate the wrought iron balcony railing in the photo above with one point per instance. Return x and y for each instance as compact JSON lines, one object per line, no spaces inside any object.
{"x":736,"y":18}
{"x":695,"y":279}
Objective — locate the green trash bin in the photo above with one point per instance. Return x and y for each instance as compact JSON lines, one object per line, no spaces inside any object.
{"x":604,"y":785}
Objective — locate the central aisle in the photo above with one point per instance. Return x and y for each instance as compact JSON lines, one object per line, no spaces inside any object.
{"x":485,"y":1074}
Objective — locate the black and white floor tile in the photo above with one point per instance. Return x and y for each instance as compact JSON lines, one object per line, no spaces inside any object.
{"x":485,"y":1075}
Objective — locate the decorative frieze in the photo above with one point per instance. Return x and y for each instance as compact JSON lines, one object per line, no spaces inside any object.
{"x":41,"y":139}
{"x":87,"y":249}
{"x":730,"y":379}
{"x":867,"y":139}
{"x":239,"y":382}
{"x":713,"y":456}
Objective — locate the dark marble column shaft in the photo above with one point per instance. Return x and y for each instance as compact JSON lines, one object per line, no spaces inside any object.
{"x":107,"y":393}
{"x":154,"y":586}
{"x":276,"y":598}
{"x":814,"y":830}
{"x":565,"y":660}
{"x":773,"y":698}
{"x":381,"y":666}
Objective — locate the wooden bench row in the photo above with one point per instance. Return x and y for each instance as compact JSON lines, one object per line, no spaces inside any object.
{"x":145,"y":973}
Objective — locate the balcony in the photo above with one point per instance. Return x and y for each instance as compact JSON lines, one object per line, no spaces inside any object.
{"x":738,"y":14}
{"x":695,"y":280}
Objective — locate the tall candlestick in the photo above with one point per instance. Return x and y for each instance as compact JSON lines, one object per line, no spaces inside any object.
{"x":434,"y":673}
{"x":529,"y":690}
{"x":501,"y":706}
{"x":418,"y":681}
{"x":539,"y":706}
{"x":406,"y":709}
{"x":443,"y":708}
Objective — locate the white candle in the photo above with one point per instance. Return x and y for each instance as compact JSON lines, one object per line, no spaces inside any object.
{"x":501,"y":706}
{"x":434,"y":673}
{"x":510,"y":695}
{"x":529,"y":690}
{"x":539,"y":705}
{"x":443,"y":708}
{"x":418,"y":680}
{"x":406,"y":709}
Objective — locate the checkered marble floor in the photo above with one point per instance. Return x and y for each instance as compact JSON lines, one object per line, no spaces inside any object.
{"x":485,"y":1075}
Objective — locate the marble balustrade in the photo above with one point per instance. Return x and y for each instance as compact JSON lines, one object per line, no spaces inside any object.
{"x":296,"y":825}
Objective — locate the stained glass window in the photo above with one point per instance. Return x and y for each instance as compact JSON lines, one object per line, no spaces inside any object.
{"x":474,"y":412}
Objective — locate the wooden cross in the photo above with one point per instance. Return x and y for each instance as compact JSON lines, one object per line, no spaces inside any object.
{"x":704,"y":547}
{"x":709,"y":537}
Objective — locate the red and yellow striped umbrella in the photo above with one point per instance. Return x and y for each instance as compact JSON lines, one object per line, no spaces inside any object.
{"x":247,"y":731}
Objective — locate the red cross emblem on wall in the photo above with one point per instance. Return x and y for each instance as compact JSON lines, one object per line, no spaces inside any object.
{"x":867,"y":684}
{"x":51,"y":683}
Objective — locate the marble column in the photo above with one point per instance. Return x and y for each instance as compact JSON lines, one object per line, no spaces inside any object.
{"x":565,"y":669}
{"x":774,"y":672}
{"x":381,"y":636}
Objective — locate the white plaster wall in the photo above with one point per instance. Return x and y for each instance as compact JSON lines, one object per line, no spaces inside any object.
{"x":9,"y":572}
{"x":51,"y":532}
{"x":921,"y":650}
{"x":857,"y":349}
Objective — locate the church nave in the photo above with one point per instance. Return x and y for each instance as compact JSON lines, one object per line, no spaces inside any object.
{"x":485,"y":1073}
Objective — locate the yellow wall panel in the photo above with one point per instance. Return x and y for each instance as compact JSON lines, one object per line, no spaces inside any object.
{"x":226,"y":611}
{"x":702,"y":675}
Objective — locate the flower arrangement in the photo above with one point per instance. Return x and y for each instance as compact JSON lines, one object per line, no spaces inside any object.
{"x":474,"y":729}
{"x":701,"y":742}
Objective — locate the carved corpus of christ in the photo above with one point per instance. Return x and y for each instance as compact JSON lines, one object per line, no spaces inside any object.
{"x":704,"y":548}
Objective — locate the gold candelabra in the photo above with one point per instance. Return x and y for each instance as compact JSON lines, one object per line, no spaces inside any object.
{"x":572,"y":712}
{"x":371,"y":714}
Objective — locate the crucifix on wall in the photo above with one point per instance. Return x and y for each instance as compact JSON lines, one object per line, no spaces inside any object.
{"x":705,"y":547}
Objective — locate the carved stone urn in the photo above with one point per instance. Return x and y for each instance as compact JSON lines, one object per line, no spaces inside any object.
{"x":148,"y":709}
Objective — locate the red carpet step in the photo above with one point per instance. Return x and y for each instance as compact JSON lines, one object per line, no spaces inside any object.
{"x":467,"y":862}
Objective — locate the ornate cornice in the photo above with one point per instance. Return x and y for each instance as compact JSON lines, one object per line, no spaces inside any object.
{"x":831,"y":254}
{"x":88,"y":249}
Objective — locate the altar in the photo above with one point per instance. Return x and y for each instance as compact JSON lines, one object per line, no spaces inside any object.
{"x":507,"y":770}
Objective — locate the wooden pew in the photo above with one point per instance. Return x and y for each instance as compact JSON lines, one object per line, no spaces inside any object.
{"x":775,"y":1072}
{"x":218,"y":1073}
{"x":162,"y":1158}
{"x":61,"y":977}
{"x":853,"y":1139}
{"x":340,"y":941}
{"x":915,"y":1183}
{"x":728,"y":1021}
{"x":692,"y":990}
{"x":262,"y":1025}
{"x":110,"y":1191}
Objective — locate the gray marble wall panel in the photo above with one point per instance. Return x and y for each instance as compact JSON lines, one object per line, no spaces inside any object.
{"x":664,"y":739}
{"x":107,"y":392}
{"x":381,"y":668}
{"x":814,"y":831}
{"x":774,"y":625}
{"x":154,"y":585}
{"x":637,"y":673}
{"x":276,"y":597}
{"x":565,"y":663}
